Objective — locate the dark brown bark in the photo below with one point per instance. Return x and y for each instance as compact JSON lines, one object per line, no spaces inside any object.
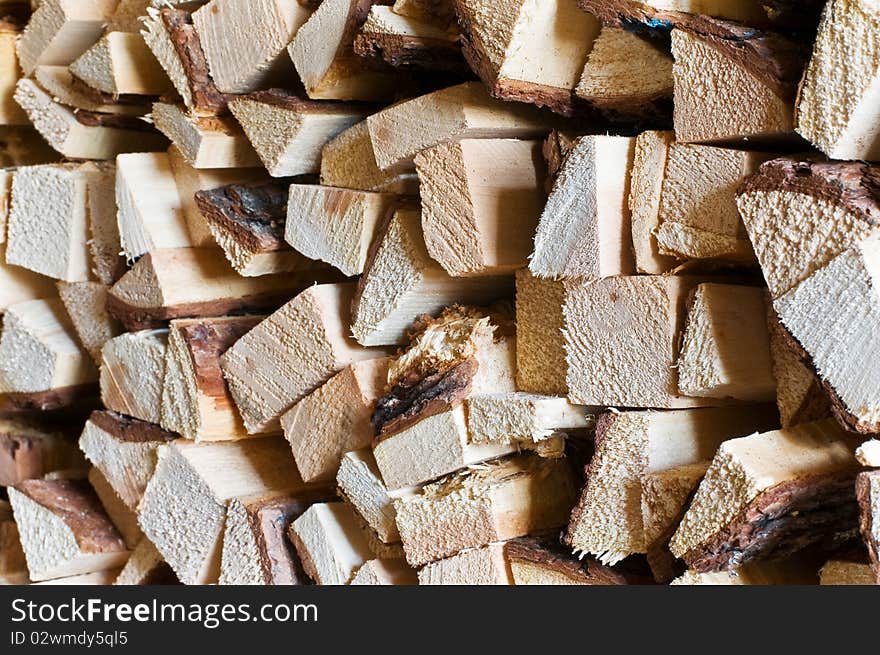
{"x":869,"y":514}
{"x":132,"y":430}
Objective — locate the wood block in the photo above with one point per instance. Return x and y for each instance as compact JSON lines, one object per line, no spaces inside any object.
{"x":146,"y":567}
{"x":839,"y":572}
{"x":324,"y":56}
{"x":132,"y":373}
{"x":509,"y":499}
{"x":360,"y":484}
{"x":335,"y":418}
{"x":458,"y":112}
{"x":120,"y":63}
{"x":288,"y":133}
{"x":86,"y":306}
{"x":487,"y":565}
{"x":19,"y":284}
{"x":803,"y":476}
{"x":183,"y":510}
{"x":522,"y":418}
{"x":585,"y":229}
{"x":239,"y":63}
{"x":85,"y":134}
{"x":192,"y":283}
{"x":868,"y":495}
{"x":248,"y":222}
{"x":104,"y":244}
{"x":150,"y":207}
{"x":30,"y":450}
{"x":38,"y":351}
{"x":267,"y":375}
{"x":783,"y":572}
{"x":195,"y":399}
{"x":64,"y":530}
{"x":330,"y":543}
{"x":733,"y":84}
{"x":841,"y":118}
{"x":256,"y":548}
{"x":540,"y":351}
{"x":528,"y":52}
{"x":725,"y":351}
{"x":348,"y":162}
{"x":124,"y":450}
{"x":840,"y":345}
{"x":409,"y":43}
{"x":634,"y":322}
{"x":61,"y":30}
{"x":627,"y":77}
{"x":802,"y":214}
{"x":171,"y":36}
{"x":646,"y":186}
{"x":392,"y":572}
{"x":122,"y":517}
{"x":10,"y":112}
{"x":205,"y":142}
{"x":608,"y":521}
{"x":481,"y":199}
{"x":402,"y":282}
{"x":13,"y":567}
{"x":535,"y":561}
{"x":66,"y":89}
{"x":335,"y":225}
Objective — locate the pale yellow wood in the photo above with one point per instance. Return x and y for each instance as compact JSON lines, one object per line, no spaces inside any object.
{"x":132,"y":373}
{"x":784,"y":572}
{"x":523,"y":418}
{"x":123,"y":518}
{"x":13,"y":567}
{"x":479,"y":566}
{"x":86,"y":305}
{"x":646,"y":184}
{"x":121,"y":63}
{"x":143,"y":566}
{"x":868,"y":453}
{"x":330,"y":543}
{"x":19,"y":284}
{"x":10,"y":112}
{"x":839,"y":572}
{"x":390,"y":572}
{"x":540,"y":353}
{"x":58,"y":82}
{"x":360,"y":483}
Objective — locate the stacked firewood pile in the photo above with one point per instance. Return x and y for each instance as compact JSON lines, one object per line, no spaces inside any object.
{"x":440,"y":292}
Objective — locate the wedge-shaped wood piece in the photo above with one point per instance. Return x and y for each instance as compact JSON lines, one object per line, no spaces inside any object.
{"x":146,"y":567}
{"x":19,"y":284}
{"x":105,"y":246}
{"x":631,"y":446}
{"x":239,"y":62}
{"x":838,"y":104}
{"x":13,"y":567}
{"x":486,"y":565}
{"x":268,"y":374}
{"x":360,"y":483}
{"x":29,"y":450}
{"x":540,"y":351}
{"x":10,"y":112}
{"x":335,"y":418}
{"x":696,"y":217}
{"x":38,"y":351}
{"x":256,"y":547}
{"x":801,"y":214}
{"x":48,"y":220}
{"x":621,"y":338}
{"x":60,"y":83}
{"x":335,"y":225}
{"x":61,"y":30}
{"x":481,"y":199}
{"x":184,"y":507}
{"x":195,"y":399}
{"x":646,"y":186}
{"x":522,"y":418}
{"x":401,"y":281}
{"x":171,"y":36}
{"x":399,"y":133}
{"x":725,"y":351}
{"x":585,"y":228}
{"x":132,"y":372}
{"x":390,"y":572}
{"x":841,"y":345}
{"x":409,"y":43}
{"x":124,"y":450}
{"x":150,"y":207}
{"x":348,"y":162}
{"x":527,"y":51}
{"x":191,"y":283}
{"x":324,"y":56}
{"x":287,"y":132}
{"x":121,"y":63}
{"x":868,"y":494}
{"x":205,"y":142}
{"x":508,"y":499}
{"x":85,"y":134}
{"x":754,"y":77}
{"x":845,"y":571}
{"x":627,"y":77}
{"x":122,"y":517}
{"x":64,"y":529}
{"x":800,"y":478}
{"x":791,"y":571}
{"x":86,"y":305}
{"x":330,"y":543}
